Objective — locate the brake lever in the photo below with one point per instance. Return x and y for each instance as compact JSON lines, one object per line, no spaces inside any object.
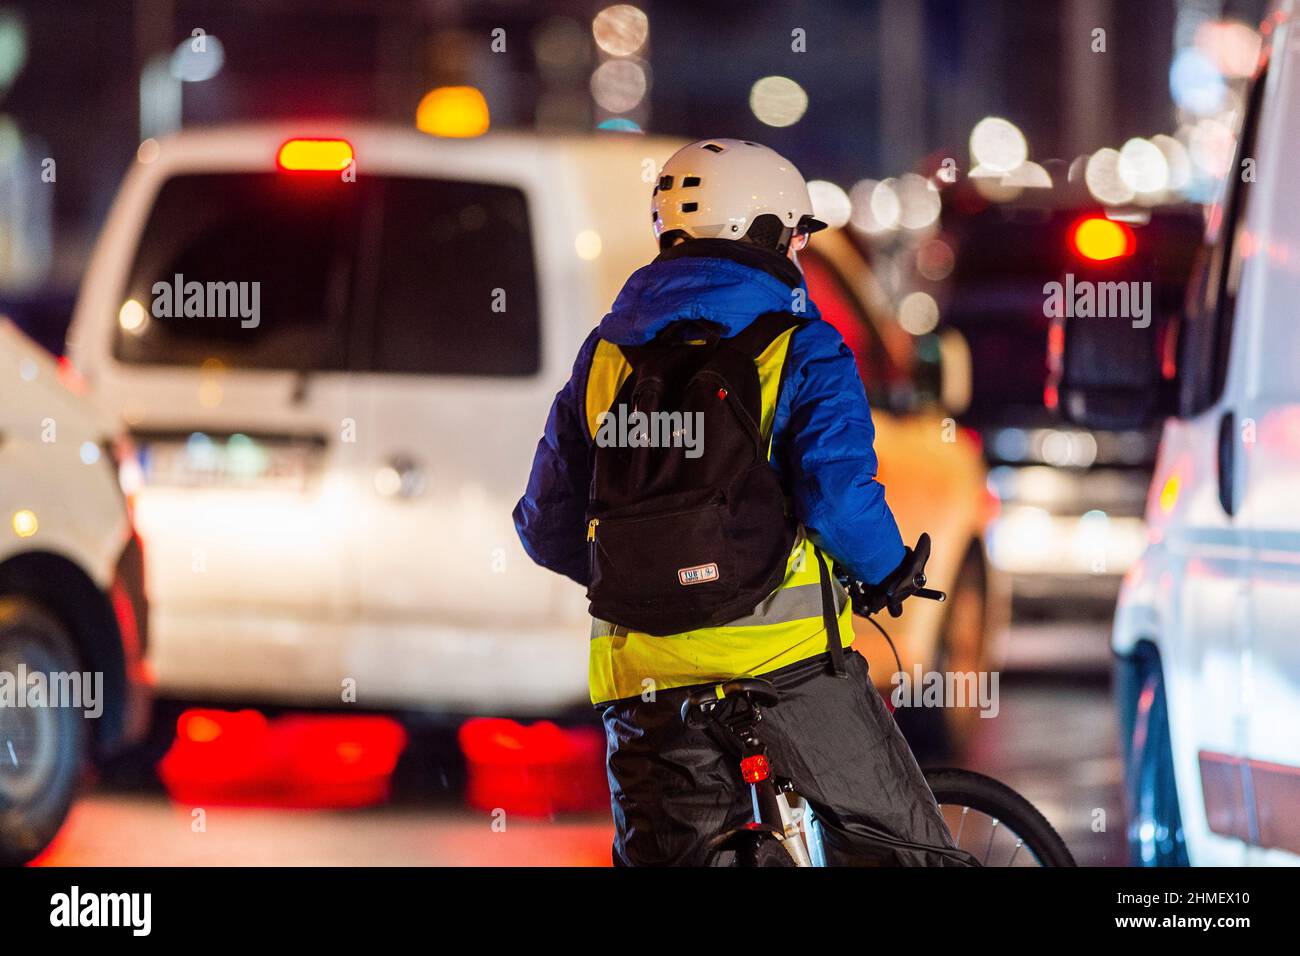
{"x":893,"y":601}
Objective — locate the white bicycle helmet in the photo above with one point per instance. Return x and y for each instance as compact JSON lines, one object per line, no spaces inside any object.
{"x":719,"y":188}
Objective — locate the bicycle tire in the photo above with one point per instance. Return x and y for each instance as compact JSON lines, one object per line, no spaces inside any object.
{"x":763,"y":850}
{"x":969,"y":789}
{"x":751,"y":848}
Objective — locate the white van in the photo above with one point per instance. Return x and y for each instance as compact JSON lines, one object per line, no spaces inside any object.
{"x":1206,"y":629}
{"x":328,"y":484}
{"x":72,"y":602}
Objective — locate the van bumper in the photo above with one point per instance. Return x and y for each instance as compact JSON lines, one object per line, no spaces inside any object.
{"x":292,"y":660}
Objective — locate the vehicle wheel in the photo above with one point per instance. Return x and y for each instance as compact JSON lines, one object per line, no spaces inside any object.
{"x":1155,"y":829}
{"x":42,"y":749}
{"x":994,"y":823}
{"x":943,"y":732}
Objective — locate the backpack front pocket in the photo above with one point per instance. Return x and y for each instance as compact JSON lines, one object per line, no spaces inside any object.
{"x":661,"y":572}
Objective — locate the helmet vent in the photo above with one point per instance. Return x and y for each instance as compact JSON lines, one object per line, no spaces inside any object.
{"x":665,"y":183}
{"x":690,"y":206}
{"x":690,"y":181}
{"x":714,"y":147}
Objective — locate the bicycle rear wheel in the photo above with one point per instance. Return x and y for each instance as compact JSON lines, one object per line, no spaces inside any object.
{"x":994,"y":823}
{"x":750,"y":848}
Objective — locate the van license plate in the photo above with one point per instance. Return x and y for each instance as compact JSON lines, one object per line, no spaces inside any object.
{"x":227,"y":461}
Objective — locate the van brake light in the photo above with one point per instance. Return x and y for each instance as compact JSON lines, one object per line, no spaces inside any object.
{"x":315,"y":155}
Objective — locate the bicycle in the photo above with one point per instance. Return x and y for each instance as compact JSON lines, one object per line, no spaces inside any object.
{"x":1010,"y":829}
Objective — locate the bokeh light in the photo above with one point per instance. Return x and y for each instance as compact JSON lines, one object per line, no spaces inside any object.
{"x":1232,"y":46}
{"x":1195,"y":83}
{"x":13,"y":47}
{"x":1211,"y":145}
{"x":918,"y":313}
{"x":454,"y":111}
{"x":1103,"y":178}
{"x":24,"y":523}
{"x":588,"y":244}
{"x":830,"y":203}
{"x":1176,"y":159}
{"x":778,"y":101}
{"x":1101,"y":239}
{"x":131,"y":317}
{"x":196,"y":59}
{"x":619,"y":85}
{"x":1028,"y":175}
{"x":919,"y":204}
{"x":998,"y":145}
{"x":935,"y":260}
{"x":620,"y":30}
{"x":1142,"y":166}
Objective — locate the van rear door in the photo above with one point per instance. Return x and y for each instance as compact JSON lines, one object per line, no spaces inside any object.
{"x":452,"y":385}
{"x":231,"y":351}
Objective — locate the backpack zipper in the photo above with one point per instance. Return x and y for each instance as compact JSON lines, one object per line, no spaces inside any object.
{"x":591,"y":529}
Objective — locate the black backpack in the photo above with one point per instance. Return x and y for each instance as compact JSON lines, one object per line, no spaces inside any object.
{"x":686,"y":537}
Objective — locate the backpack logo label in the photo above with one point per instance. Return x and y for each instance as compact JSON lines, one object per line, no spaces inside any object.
{"x":698,"y":574}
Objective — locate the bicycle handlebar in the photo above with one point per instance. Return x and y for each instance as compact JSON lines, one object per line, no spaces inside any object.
{"x":907,"y":581}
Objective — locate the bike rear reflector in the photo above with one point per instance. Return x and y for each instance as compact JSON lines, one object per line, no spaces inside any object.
{"x":754,"y":768}
{"x":1101,"y":239}
{"x":315,"y":155}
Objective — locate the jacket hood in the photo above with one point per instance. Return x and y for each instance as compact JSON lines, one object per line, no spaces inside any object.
{"x":729,"y":293}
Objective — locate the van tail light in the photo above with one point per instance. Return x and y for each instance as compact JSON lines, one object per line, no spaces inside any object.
{"x":315,"y":155}
{"x":71,"y":378}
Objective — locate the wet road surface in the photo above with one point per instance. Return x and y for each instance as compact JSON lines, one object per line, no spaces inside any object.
{"x":1053,"y":740}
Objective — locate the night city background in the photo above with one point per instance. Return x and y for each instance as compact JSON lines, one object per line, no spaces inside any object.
{"x":966,"y":153}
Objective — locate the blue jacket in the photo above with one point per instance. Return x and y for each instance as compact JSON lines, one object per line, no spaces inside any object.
{"x":822,"y":433}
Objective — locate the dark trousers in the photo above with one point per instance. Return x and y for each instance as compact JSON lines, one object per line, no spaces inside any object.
{"x":675,"y":789}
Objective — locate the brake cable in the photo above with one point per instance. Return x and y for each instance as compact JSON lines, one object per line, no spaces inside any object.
{"x":898,"y":663}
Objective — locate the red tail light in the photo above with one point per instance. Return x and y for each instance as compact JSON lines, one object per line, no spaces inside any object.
{"x":755,"y":768}
{"x":535,"y":769}
{"x":297,"y":760}
{"x":1099,"y":239}
{"x":315,"y":155}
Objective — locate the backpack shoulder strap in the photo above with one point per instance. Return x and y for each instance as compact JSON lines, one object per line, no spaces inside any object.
{"x":754,"y":338}
{"x":830,"y":619}
{"x":668,"y":338}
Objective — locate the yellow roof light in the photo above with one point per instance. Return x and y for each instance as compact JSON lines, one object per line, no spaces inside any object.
{"x":459,"y":111}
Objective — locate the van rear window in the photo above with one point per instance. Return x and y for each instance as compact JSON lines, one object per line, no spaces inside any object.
{"x":250,"y":270}
{"x":289,"y":272}
{"x":455,"y":290}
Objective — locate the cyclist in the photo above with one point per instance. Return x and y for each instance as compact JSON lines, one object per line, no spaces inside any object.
{"x":728,"y":578}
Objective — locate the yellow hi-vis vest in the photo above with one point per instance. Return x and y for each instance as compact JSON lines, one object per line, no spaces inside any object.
{"x":785,"y":628}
